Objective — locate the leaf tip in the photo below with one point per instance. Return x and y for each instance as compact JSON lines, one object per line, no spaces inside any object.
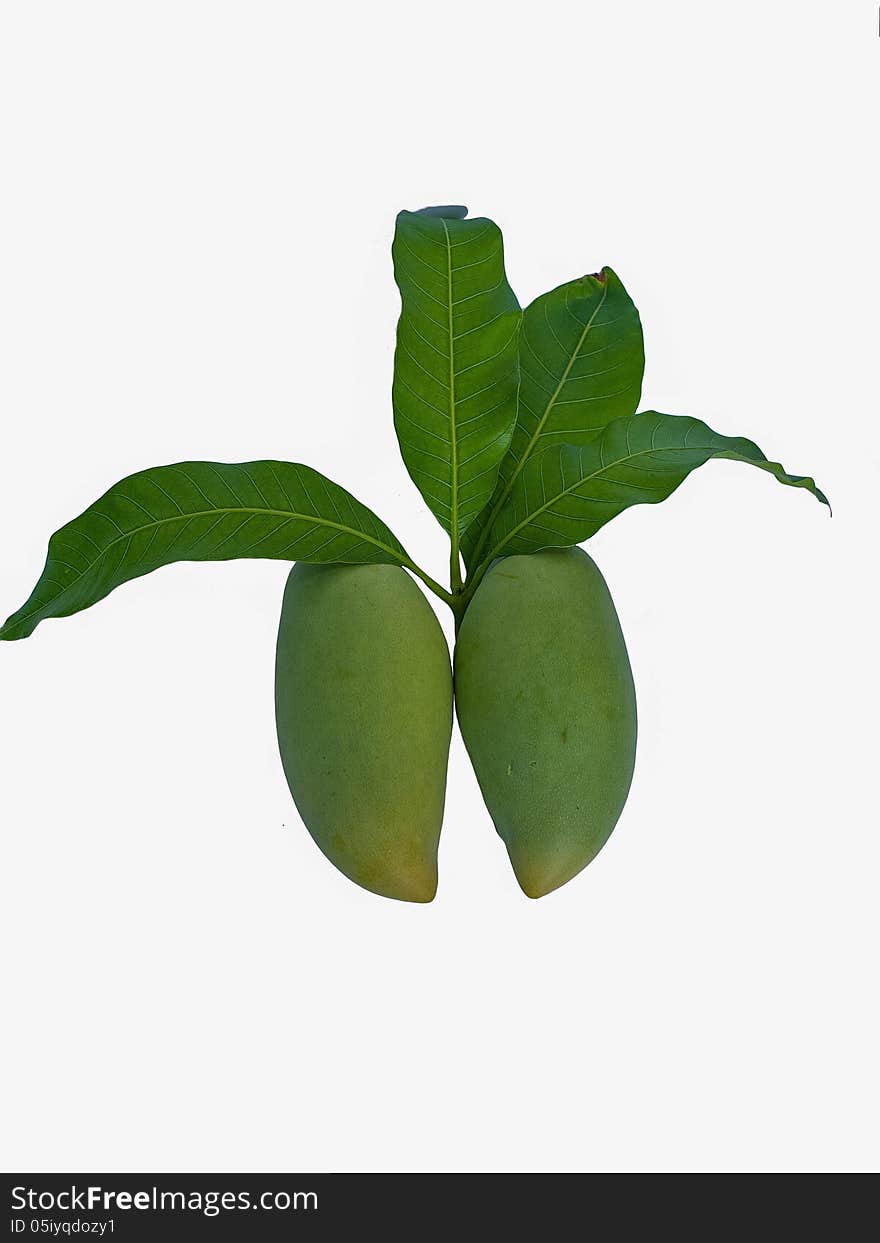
{"x":448,"y":211}
{"x":819,"y":495}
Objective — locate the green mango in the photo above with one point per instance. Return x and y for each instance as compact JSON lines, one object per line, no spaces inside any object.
{"x":547,"y":708}
{"x":363,"y":707}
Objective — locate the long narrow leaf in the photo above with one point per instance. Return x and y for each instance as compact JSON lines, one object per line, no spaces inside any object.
{"x":201,"y":511}
{"x":564,"y":495}
{"x":582,"y":360}
{"x":455,"y":366}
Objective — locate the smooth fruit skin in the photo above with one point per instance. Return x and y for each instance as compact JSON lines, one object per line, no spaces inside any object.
{"x":546,"y":704}
{"x":363,"y":707}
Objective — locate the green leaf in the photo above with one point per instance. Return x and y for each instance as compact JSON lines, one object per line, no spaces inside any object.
{"x":582,"y":359}
{"x":567,"y":493}
{"x":455,"y":366}
{"x":201,"y":511}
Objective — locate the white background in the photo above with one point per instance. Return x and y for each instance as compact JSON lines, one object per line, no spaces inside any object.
{"x":196,"y":215}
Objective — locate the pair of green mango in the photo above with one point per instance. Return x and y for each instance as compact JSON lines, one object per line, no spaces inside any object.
{"x":545,"y":701}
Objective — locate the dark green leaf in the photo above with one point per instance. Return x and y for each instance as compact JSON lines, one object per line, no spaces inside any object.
{"x":582,"y":359}
{"x":201,"y":511}
{"x":455,"y":366}
{"x":564,"y":495}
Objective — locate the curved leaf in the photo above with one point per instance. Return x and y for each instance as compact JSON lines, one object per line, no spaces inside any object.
{"x":564,"y":495}
{"x":582,"y":359}
{"x":201,"y":511}
{"x":455,"y":366}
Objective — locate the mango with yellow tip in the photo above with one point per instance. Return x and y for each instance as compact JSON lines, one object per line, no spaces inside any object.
{"x":363,"y":701}
{"x":546,"y":704}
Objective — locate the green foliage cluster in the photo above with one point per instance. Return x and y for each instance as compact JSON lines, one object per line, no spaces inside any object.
{"x":521,"y":432}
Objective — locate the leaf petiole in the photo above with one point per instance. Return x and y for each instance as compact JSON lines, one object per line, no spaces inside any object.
{"x":429,"y":582}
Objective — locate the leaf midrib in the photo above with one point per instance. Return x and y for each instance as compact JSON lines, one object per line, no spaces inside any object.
{"x":527,"y":452}
{"x":222,"y":511}
{"x":585,"y":332}
{"x":587,"y":478}
{"x":453,"y":443}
